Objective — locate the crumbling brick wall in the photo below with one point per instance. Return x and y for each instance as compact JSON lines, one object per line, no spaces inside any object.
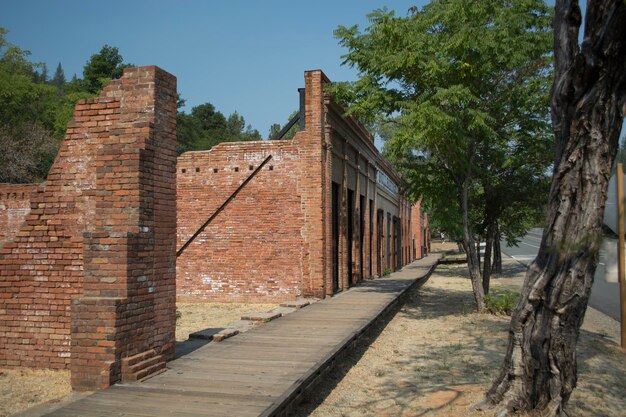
{"x":14,"y":207}
{"x":89,"y":280}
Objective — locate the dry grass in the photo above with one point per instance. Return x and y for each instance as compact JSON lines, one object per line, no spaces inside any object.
{"x":437,"y":356}
{"x":24,"y":388}
{"x":194,"y":317}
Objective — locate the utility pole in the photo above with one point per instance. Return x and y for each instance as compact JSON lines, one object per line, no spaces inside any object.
{"x":620,"y":251}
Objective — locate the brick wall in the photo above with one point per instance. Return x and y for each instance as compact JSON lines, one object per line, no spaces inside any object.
{"x":252,"y":251}
{"x":89,"y":279}
{"x":41,"y":268}
{"x":273,"y":241}
{"x":270,"y":242}
{"x":14,"y":207}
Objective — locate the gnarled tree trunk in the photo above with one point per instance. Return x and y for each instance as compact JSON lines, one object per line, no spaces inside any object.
{"x":539,"y":370}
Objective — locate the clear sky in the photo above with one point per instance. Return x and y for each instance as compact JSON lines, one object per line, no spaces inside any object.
{"x":247,"y":56}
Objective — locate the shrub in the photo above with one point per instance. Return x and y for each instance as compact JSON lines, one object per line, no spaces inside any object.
{"x":501,"y":302}
{"x":387,"y":272}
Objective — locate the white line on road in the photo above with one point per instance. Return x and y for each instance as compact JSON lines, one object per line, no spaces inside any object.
{"x":528,"y":244}
{"x":523,"y":257}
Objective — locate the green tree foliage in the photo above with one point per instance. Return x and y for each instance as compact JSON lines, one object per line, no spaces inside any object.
{"x":22,"y":98}
{"x":35,"y":110}
{"x":27,"y":116}
{"x":58,"y":80}
{"x":205,"y":127}
{"x":276,"y":128}
{"x":27,"y":151}
{"x":462,"y":90}
{"x":102,"y":67}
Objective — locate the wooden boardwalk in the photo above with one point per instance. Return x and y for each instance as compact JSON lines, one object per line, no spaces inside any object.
{"x":263,"y":372}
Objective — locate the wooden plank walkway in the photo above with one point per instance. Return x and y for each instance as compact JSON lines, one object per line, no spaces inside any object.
{"x":263,"y":372}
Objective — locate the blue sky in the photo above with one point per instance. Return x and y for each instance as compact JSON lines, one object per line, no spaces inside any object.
{"x":247,"y":56}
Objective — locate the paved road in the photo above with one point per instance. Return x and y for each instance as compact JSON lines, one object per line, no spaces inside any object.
{"x":604,"y":295}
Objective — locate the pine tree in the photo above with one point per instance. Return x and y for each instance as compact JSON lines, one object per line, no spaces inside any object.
{"x":59,"y":78}
{"x":43,"y":77}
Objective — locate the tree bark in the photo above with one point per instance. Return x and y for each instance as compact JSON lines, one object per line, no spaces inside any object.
{"x":473,"y":262}
{"x":539,"y":370}
{"x":487,"y":259}
{"x":497,"y":254}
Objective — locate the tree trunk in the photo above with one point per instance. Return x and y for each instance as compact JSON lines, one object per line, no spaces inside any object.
{"x":473,"y":262}
{"x":539,"y":370}
{"x":497,"y":254}
{"x":487,"y":260}
{"x":478,"y":251}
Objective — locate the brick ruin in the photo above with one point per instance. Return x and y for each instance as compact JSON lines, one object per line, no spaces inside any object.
{"x":88,"y":280}
{"x":325,"y":212}
{"x":88,"y":269}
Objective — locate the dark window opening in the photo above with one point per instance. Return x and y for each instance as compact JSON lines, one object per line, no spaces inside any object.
{"x":380,"y":241}
{"x":361,"y":234}
{"x":335,"y":237}
{"x":388,"y":254}
{"x":371,"y":254}
{"x":350,"y":221}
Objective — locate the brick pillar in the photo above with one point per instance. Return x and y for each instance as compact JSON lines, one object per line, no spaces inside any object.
{"x":314,"y":184}
{"x":123,"y":326}
{"x":416,"y":229}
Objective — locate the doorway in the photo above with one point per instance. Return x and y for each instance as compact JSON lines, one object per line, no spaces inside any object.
{"x":335,"y":237}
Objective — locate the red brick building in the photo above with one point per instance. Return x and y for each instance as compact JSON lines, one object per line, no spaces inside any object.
{"x":88,"y":271}
{"x":287,"y":218}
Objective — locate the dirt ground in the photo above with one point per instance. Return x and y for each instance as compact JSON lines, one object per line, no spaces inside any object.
{"x":436,"y":357}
